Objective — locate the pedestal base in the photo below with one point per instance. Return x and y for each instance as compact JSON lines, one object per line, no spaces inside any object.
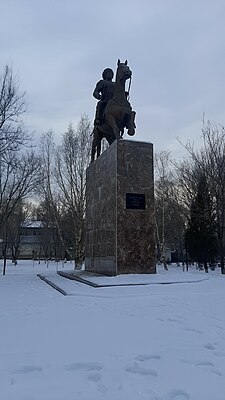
{"x":120,"y":210}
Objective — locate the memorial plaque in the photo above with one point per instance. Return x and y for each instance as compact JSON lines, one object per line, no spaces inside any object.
{"x":135,"y":201}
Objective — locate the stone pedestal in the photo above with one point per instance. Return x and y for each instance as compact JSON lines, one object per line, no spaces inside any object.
{"x":120,"y":210}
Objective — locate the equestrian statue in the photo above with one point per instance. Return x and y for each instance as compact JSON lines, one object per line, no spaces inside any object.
{"x":113,"y":112}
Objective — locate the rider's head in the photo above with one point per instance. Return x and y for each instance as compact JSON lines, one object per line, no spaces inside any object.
{"x":107,"y":74}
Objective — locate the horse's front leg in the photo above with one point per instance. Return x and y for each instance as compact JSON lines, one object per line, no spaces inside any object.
{"x":131,"y":124}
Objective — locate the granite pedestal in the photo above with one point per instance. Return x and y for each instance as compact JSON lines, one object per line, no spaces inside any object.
{"x":120,"y":210}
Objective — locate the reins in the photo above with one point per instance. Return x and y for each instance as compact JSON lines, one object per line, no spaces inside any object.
{"x":128,"y":96}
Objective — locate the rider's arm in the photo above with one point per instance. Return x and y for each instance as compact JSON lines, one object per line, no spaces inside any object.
{"x":98,"y":90}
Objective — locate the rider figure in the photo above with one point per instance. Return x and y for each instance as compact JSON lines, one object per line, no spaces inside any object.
{"x":103,"y":92}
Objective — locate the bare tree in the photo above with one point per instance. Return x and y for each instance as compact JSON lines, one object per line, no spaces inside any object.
{"x":64,"y":185}
{"x":19,"y":166}
{"x":20,"y":174}
{"x":49,"y":192}
{"x":169,"y":210}
{"x":50,"y":244}
{"x":12,"y":107}
{"x":162,"y":179}
{"x":210,"y":162}
{"x":200,"y":238}
{"x":72,"y":160}
{"x":11,"y":233}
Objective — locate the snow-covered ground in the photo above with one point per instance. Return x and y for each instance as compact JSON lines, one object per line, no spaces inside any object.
{"x":154,"y":342}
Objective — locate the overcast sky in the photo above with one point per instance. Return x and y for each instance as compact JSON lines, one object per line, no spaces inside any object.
{"x":175,"y":48}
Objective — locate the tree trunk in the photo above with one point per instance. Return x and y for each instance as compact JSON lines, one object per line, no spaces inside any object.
{"x":206,"y":266}
{"x":4,"y":265}
{"x":221,"y":254}
{"x":222,"y":265}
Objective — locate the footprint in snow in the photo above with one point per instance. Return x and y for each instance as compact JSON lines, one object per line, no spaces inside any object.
{"x":136,"y":369}
{"x":96,"y":377}
{"x":210,"y":346}
{"x":198,"y":363}
{"x":102,"y":388}
{"x":204,"y":363}
{"x":219,"y":354}
{"x":199,"y":331}
{"x":176,"y":394}
{"x":146,"y":357}
{"x":86,"y":366}
{"x":27,"y":369}
{"x":175,"y":320}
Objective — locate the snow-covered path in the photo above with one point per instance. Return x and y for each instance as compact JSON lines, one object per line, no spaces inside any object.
{"x":157,"y":342}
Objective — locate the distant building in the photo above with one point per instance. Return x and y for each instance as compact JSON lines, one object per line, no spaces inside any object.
{"x":30,"y":243}
{"x":35,"y":240}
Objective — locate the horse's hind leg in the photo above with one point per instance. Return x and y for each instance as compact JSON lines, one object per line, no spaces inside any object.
{"x":98,"y":146}
{"x":93,"y":147}
{"x":112,"y":123}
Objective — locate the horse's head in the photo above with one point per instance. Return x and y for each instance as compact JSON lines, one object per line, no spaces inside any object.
{"x":123,"y":71}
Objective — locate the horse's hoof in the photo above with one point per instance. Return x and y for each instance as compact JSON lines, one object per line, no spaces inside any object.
{"x":131,"y":132}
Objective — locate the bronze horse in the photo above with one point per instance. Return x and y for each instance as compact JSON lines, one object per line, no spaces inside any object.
{"x":117,"y":115}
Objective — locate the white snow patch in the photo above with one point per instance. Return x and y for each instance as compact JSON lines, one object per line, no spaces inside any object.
{"x":154,"y":342}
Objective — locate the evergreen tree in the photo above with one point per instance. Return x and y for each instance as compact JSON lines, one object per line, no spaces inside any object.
{"x":200,"y":236}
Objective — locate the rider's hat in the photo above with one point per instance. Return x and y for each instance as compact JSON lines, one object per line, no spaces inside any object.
{"x":106,"y":71}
